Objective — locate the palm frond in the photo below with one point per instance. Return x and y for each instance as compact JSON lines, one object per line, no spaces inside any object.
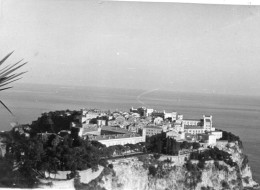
{"x":6,"y":107}
{"x":8,"y":67}
{"x":6,"y":82}
{"x":8,"y":75}
{"x":6,"y":88}
{"x":6,"y":79}
{"x":5,"y":58}
{"x":9,"y":71}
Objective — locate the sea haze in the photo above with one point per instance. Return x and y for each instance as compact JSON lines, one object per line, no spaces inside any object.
{"x":237,"y":114}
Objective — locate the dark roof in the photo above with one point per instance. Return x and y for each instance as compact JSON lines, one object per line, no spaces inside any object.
{"x":192,"y":127}
{"x":153,"y":127}
{"x":192,"y":119}
{"x":90,"y":129}
{"x":114,"y":129}
{"x":108,"y":137}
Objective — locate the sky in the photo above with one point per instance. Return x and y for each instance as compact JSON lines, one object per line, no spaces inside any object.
{"x":141,"y":45}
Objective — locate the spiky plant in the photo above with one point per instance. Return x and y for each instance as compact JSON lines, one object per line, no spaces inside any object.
{"x":8,"y":75}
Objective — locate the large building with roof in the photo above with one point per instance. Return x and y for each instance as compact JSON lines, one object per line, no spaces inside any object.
{"x":151,"y":130}
{"x":87,"y":115}
{"x":195,"y":126}
{"x":119,"y":138}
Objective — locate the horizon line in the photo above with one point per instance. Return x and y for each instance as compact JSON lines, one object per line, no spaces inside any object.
{"x":213,"y":2}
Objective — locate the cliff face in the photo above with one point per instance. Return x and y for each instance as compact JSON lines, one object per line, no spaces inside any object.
{"x":136,"y":174}
{"x":241,"y":159}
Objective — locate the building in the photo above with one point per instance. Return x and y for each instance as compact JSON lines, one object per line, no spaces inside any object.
{"x":90,"y":130}
{"x":178,"y":136}
{"x":192,"y":122}
{"x":156,"y":114}
{"x":208,"y":138}
{"x":106,"y":130}
{"x":143,"y":111}
{"x":87,"y":115}
{"x":119,"y":139}
{"x":133,"y":110}
{"x":101,"y":122}
{"x":85,"y":129}
{"x":193,"y":129}
{"x":158,"y":120}
{"x":207,"y":123}
{"x":152,"y":130}
{"x":218,"y":134}
{"x":172,"y":116}
{"x":197,"y":126}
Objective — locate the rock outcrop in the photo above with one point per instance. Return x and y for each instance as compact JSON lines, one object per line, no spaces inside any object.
{"x":152,"y":174}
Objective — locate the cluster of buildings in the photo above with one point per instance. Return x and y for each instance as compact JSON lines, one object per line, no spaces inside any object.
{"x":119,"y":128}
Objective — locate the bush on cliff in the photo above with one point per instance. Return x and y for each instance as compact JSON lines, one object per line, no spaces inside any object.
{"x":193,"y":176}
{"x":230,"y":137}
{"x":152,"y":170}
{"x":213,"y":154}
{"x":53,"y":122}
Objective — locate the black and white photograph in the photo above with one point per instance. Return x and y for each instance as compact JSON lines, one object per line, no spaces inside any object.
{"x":130,"y":94}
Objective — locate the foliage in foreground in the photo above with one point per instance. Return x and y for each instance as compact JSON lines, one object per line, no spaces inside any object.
{"x":27,"y":158}
{"x":8,"y":75}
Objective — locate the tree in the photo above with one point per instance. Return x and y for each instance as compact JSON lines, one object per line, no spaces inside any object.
{"x":152,"y":170}
{"x":7,"y":75}
{"x":195,"y":145}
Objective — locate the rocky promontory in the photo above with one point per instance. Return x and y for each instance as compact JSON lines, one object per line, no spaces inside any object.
{"x":149,"y":173}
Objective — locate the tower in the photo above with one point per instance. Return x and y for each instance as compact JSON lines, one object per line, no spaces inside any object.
{"x":207,"y":122}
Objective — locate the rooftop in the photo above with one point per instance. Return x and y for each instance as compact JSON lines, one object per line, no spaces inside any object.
{"x":192,"y":127}
{"x":191,"y":119}
{"x":90,"y":129}
{"x":152,"y":127}
{"x":115,"y":129}
{"x":108,"y":137}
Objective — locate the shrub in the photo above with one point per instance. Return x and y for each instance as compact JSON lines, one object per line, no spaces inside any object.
{"x":156,"y":156}
{"x":224,"y":184}
{"x":201,"y":164}
{"x":216,"y":163}
{"x":152,"y":170}
{"x":189,"y":166}
{"x":110,"y":166}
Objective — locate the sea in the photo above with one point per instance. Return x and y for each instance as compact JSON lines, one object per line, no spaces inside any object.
{"x":235,"y":113}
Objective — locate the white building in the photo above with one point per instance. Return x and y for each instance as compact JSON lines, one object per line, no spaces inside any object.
{"x":176,"y":135}
{"x":158,"y":120}
{"x":197,"y":126}
{"x":171,"y":115}
{"x":119,"y":139}
{"x":208,"y":138}
{"x":151,"y":130}
{"x":87,"y":115}
{"x":218,"y":134}
{"x":149,"y":111}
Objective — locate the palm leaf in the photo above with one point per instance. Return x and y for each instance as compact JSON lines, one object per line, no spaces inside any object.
{"x":6,"y":107}
{"x":8,"y":67}
{"x":5,"y":58}
{"x":4,"y":84}
{"x":9,"y":71}
{"x":8,"y":75}
{"x":5,"y":88}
